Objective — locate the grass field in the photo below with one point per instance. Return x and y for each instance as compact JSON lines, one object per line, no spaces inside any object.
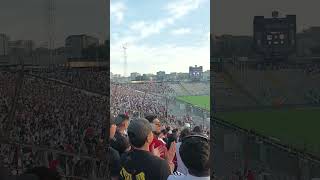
{"x":297,"y":127}
{"x":200,"y":101}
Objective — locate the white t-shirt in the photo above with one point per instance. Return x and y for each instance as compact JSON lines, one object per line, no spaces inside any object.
{"x":180,"y":176}
{"x":180,"y":165}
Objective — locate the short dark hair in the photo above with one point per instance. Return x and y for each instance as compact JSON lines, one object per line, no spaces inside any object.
{"x":151,"y":117}
{"x":185,"y":132}
{"x":120,"y":118}
{"x":195,"y":154}
{"x":197,"y":129}
{"x":172,"y":138}
{"x":164,"y":131}
{"x":138,"y":132}
{"x":120,"y":143}
{"x":174,"y":131}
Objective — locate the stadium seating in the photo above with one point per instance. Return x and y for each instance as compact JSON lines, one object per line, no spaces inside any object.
{"x":276,"y":85}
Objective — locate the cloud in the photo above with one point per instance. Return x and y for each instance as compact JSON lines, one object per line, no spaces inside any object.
{"x":146,"y":29}
{"x":181,"y":31}
{"x":180,"y":8}
{"x":117,"y":10}
{"x":176,"y":10}
{"x":146,"y":58}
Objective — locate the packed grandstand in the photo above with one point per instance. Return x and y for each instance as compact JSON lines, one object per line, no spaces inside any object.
{"x":58,"y":119}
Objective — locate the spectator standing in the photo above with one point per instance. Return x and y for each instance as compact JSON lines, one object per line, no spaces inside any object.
{"x":180,"y":165}
{"x":140,"y":163}
{"x":194,"y":152}
{"x":120,"y":142}
{"x":156,"y":130}
{"x":114,"y":161}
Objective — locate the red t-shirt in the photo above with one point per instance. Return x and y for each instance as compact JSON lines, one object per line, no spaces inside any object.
{"x":156,"y":143}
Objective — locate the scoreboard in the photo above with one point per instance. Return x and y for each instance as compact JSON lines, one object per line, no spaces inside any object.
{"x":275,"y":38}
{"x":195,"y":73}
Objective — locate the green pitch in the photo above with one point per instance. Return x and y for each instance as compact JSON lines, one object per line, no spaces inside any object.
{"x":200,"y":101}
{"x":295,"y":127}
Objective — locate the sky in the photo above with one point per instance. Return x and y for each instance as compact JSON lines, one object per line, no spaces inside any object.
{"x":159,"y":35}
{"x":236,"y":17}
{"x":28,"y":20}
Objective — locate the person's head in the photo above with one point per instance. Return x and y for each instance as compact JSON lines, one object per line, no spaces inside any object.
{"x":172,"y":138}
{"x":185,"y":132}
{"x":197,"y":129}
{"x":121,"y":144}
{"x":187,"y":125}
{"x":163,"y":133}
{"x":44,"y":173}
{"x":140,"y":133}
{"x":122,"y":122}
{"x":195,"y":153}
{"x":155,"y":124}
{"x":113,"y":127}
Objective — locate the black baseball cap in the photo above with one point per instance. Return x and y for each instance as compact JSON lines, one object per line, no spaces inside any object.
{"x":120,"y":118}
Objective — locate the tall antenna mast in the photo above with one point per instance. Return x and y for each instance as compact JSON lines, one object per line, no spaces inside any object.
{"x":124,"y":47}
{"x":51,"y":25}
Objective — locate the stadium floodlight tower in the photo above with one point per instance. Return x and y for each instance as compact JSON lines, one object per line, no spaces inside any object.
{"x":51,"y":25}
{"x":124,"y":47}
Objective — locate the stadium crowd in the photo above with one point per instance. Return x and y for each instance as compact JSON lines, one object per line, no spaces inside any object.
{"x":157,"y":88}
{"x":50,"y":115}
{"x":6,"y":92}
{"x":64,"y":117}
{"x":127,"y":100}
{"x":141,"y":149}
{"x":89,"y":79}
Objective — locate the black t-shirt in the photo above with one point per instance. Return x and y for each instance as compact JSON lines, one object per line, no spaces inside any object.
{"x":142,"y":165}
{"x":114,"y":162}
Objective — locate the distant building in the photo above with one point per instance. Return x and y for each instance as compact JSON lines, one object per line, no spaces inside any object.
{"x":60,"y":51}
{"x":114,"y":76}
{"x":22,"y":47}
{"x":195,"y":73}
{"x":308,"y":42}
{"x":206,"y":75}
{"x":182,"y":76}
{"x":134,"y":75}
{"x":171,"y":77}
{"x":4,"y":45}
{"x":230,"y":46}
{"x":81,"y":47}
{"x":161,"y":75}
